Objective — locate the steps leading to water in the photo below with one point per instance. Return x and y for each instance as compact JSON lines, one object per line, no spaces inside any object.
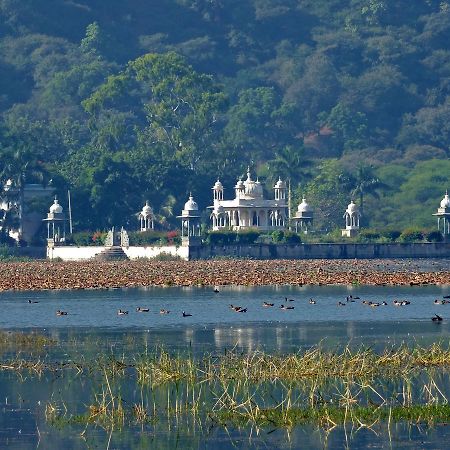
{"x":113,"y":253}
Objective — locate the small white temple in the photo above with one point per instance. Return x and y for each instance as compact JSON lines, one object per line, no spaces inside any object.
{"x":146,"y":217}
{"x":249,"y":208}
{"x":190,"y":222}
{"x":351,"y":216}
{"x":443,"y":215}
{"x":303,"y":218}
{"x":56,"y":224}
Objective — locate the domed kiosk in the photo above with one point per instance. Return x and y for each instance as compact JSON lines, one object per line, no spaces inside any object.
{"x":190,"y":223}
{"x":146,"y":217}
{"x":303,"y":218}
{"x":443,"y":215}
{"x":250,"y":209}
{"x":352,"y":217}
{"x":56,"y":224}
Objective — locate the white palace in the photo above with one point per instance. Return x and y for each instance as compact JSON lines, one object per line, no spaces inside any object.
{"x":249,"y":208}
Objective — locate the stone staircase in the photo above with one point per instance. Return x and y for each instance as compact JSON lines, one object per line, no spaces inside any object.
{"x":114,"y":253}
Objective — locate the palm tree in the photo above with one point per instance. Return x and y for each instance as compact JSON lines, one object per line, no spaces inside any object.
{"x":289,"y":164}
{"x":361,"y":183}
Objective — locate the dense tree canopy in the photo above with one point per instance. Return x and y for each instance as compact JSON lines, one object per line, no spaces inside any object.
{"x":127,"y":101}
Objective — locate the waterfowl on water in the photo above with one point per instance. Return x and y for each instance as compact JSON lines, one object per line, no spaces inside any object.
{"x":121,"y":312}
{"x":289,"y":299}
{"x":446,"y":296}
{"x":340,"y":303}
{"x":236,"y":308}
{"x":139,"y":309}
{"x":439,"y":302}
{"x":242,"y":310}
{"x":32,"y":301}
{"x":185,"y":314}
{"x":216,"y":290}
{"x":384,"y":304}
{"x":61,"y":313}
{"x":312,"y":301}
{"x":268,"y":305}
{"x":350,"y":299}
{"x":437,"y":318}
{"x":164,"y":311}
{"x":286,"y":307}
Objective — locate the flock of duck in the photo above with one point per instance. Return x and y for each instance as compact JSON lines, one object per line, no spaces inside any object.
{"x":285,"y":306}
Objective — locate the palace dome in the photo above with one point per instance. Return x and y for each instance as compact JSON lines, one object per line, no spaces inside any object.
{"x":304,"y":207}
{"x":147,"y":210}
{"x":191,"y":205}
{"x":56,"y":208}
{"x":352,"y":207}
{"x":218,"y":186}
{"x":445,"y":202}
{"x":280,"y":184}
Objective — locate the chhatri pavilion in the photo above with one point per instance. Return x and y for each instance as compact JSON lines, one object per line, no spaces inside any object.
{"x":249,"y":208}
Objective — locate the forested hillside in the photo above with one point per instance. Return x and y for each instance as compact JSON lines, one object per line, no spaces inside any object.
{"x":123,"y":101}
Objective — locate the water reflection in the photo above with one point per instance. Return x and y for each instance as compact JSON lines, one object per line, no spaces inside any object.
{"x":93,"y":328}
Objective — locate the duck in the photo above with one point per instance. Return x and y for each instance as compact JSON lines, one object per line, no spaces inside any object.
{"x":397,"y":303}
{"x":61,"y":313}
{"x":236,"y":308}
{"x":286,"y":307}
{"x":32,"y":301}
{"x":185,"y":314}
{"x":312,"y":301}
{"x":164,"y":311}
{"x":439,"y":302}
{"x":268,"y":305}
{"x":289,"y":299}
{"x":120,"y":312}
{"x":242,"y":310}
{"x":405,"y":302}
{"x":436,"y":318}
{"x":374,"y":304}
{"x":446,"y":296}
{"x":340,"y":303}
{"x":216,"y":290}
{"x":384,"y":304}
{"x":139,"y":309}
{"x":351,"y":299}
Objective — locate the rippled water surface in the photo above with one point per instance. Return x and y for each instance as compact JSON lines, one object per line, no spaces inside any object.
{"x":92,"y":327}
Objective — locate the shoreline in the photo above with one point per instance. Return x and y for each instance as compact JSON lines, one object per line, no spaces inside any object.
{"x":44,"y":275}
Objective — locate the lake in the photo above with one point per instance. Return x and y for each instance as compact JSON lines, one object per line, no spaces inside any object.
{"x":93,"y":327}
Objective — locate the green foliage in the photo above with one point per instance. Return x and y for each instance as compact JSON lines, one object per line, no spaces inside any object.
{"x":411,"y":235}
{"x":93,"y":100}
{"x":434,"y":236}
{"x":228,"y":237}
{"x":224,"y":237}
{"x":86,"y":238}
{"x":247,"y":236}
{"x":146,"y":238}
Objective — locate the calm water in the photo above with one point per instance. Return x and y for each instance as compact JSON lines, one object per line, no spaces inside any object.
{"x":92,"y":326}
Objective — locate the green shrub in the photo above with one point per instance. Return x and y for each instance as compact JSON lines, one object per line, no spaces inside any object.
{"x":434,"y":236}
{"x":146,"y":238}
{"x":247,"y":236}
{"x":391,"y":235}
{"x":368,"y":235}
{"x":292,"y":238}
{"x":278,"y":236}
{"x":224,"y":237}
{"x":411,"y":235}
{"x":81,"y":238}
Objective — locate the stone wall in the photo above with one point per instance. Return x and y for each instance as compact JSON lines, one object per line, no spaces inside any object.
{"x":322,"y":251}
{"x":69,"y":253}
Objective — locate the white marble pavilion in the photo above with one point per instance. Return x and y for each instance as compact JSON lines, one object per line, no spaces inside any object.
{"x":249,"y":208}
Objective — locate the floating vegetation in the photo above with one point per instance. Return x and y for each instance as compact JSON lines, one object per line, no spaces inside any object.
{"x":39,"y":275}
{"x":20,"y":341}
{"x":325,"y":388}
